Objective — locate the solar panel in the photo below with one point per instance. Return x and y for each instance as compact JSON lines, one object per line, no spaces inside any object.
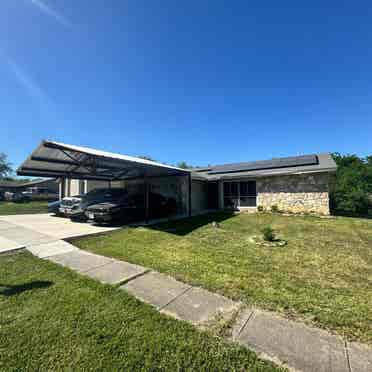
{"x":293,"y":161}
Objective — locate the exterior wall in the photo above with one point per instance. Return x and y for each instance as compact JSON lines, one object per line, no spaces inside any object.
{"x":92,"y":184}
{"x":303,"y":193}
{"x":74,"y":188}
{"x":117,"y":184}
{"x":199,"y":196}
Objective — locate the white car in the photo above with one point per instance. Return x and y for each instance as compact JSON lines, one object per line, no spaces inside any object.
{"x":69,"y":205}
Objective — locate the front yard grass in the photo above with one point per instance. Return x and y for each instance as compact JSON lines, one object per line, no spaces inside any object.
{"x":323,"y":275}
{"x":53,"y":319}
{"x":31,"y":207}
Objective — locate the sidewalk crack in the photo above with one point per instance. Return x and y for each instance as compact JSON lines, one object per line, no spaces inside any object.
{"x":347,"y":356}
{"x":175,"y":298}
{"x":125,"y":281}
{"x":244,"y":325}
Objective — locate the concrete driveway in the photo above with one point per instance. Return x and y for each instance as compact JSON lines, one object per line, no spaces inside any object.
{"x":20,"y":231}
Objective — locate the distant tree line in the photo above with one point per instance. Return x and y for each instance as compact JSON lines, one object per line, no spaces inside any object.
{"x":180,"y":164}
{"x":351,"y":186}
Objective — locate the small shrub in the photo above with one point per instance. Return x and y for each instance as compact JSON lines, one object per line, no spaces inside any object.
{"x":268,"y":233}
{"x":274,"y":208}
{"x":260,"y":208}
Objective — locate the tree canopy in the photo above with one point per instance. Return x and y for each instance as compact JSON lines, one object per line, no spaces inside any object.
{"x":5,"y":166}
{"x":351,"y":186}
{"x":184,"y":165}
{"x":146,"y":157}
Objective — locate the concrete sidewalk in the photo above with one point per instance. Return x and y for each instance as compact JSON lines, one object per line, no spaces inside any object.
{"x":288,"y":343}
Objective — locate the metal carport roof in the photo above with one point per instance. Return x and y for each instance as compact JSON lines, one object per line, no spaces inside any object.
{"x":55,"y":159}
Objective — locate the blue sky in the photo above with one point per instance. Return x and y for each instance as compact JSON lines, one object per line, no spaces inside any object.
{"x":201,"y":81}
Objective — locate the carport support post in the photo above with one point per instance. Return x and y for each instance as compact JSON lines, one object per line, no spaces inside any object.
{"x":189,"y":181}
{"x":146,"y":198}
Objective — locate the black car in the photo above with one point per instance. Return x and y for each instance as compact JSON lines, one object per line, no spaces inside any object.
{"x":100,"y":195}
{"x":126,"y":208}
{"x":19,"y":197}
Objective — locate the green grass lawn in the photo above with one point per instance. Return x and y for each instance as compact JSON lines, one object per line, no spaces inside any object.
{"x":323,"y":275}
{"x":54,"y":319}
{"x":23,"y":208}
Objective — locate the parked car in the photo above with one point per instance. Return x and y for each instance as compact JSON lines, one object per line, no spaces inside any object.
{"x":106,"y":200}
{"x":71,"y":207}
{"x":53,"y":207}
{"x":121,"y":207}
{"x":74,"y":207}
{"x":18,"y":197}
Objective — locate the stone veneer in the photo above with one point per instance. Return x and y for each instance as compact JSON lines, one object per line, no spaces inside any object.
{"x":301,"y":193}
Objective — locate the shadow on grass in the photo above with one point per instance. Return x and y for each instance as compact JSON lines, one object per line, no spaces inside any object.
{"x":187,"y":225}
{"x":11,"y":290}
{"x":352,"y":215}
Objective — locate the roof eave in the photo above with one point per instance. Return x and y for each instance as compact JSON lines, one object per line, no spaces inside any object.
{"x":288,"y":173}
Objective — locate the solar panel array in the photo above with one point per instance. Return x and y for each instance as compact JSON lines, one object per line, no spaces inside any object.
{"x":293,"y":161}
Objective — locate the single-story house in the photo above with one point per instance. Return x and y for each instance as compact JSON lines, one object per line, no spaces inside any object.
{"x":296,"y":184}
{"x":45,"y":186}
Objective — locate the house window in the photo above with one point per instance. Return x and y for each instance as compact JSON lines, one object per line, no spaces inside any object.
{"x":231,"y":194}
{"x":240,"y":194}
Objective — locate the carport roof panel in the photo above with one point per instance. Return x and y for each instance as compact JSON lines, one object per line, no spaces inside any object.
{"x":53,"y":159}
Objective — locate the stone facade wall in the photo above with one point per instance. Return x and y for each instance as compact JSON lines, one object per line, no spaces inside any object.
{"x":304,"y":193}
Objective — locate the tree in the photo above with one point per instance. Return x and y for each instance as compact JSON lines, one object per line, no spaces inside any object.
{"x":5,"y":166}
{"x":145,"y":157}
{"x":351,"y":186}
{"x":184,"y":165}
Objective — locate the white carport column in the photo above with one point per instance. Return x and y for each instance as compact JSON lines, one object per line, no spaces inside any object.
{"x":62,"y":187}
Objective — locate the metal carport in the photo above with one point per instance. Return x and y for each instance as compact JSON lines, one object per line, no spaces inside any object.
{"x":55,"y":159}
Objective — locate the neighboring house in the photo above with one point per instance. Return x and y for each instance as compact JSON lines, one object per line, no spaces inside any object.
{"x":296,"y":184}
{"x":44,"y":186}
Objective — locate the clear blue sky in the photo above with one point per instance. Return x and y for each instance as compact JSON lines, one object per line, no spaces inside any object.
{"x":201,"y":81}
